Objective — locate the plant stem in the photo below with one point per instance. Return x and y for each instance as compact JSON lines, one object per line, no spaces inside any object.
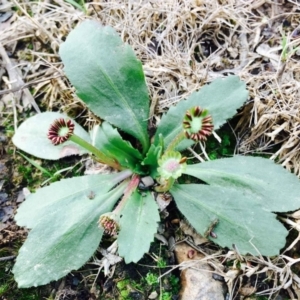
{"x":132,"y":185}
{"x":178,"y":138}
{"x":100,"y":155}
{"x":7,"y":258}
{"x":122,"y":175}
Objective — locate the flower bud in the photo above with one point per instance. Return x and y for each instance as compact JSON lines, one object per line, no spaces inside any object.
{"x":197,"y":124}
{"x":60,"y":131}
{"x":110,"y":223}
{"x":171,"y":165}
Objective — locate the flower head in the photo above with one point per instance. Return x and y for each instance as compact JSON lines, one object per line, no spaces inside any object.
{"x":109,"y":222}
{"x":197,"y":124}
{"x":60,"y":131}
{"x":171,"y":165}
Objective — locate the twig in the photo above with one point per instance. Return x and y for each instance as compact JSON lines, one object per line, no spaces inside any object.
{"x":196,"y":154}
{"x":203,"y":150}
{"x":15,"y":79}
{"x":26,"y":85}
{"x":7,"y":258}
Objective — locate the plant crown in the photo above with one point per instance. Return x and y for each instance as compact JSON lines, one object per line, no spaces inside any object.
{"x":233,"y":205}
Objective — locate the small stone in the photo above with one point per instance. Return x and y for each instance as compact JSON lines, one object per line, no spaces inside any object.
{"x":197,"y":282}
{"x":153,"y":295}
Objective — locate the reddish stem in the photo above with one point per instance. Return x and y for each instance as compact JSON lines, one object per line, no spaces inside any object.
{"x":132,"y":185}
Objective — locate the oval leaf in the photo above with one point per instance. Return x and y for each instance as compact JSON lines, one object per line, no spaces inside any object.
{"x":64,"y":240}
{"x":232,"y":215}
{"x":31,"y":137}
{"x":222,"y":98}
{"x":273,"y":187}
{"x":45,"y":201}
{"x":108,"y":77}
{"x":138,"y":225}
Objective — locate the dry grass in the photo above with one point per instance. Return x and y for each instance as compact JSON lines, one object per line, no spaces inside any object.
{"x":183,"y":45}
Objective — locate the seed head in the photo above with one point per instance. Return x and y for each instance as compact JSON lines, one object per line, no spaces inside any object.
{"x":109,"y":224}
{"x":197,"y":124}
{"x":60,"y":131}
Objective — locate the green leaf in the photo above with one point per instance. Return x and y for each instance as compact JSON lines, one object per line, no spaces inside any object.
{"x":77,"y":5}
{"x":242,"y":194}
{"x":108,"y":140}
{"x":64,"y":240}
{"x":222,"y":98}
{"x":37,"y":165}
{"x":60,"y":195}
{"x":138,"y":225}
{"x":151,"y":159}
{"x":31,"y":137}
{"x":273,"y":187}
{"x":108,"y":77}
{"x":241,"y":221}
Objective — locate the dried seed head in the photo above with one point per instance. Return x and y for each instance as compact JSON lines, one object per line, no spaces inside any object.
{"x":60,"y":131}
{"x":109,"y":224}
{"x":197,"y":124}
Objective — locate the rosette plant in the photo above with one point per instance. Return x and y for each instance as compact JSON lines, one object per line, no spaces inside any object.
{"x":232,"y":202}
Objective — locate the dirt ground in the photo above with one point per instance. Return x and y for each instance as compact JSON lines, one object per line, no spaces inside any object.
{"x":182,"y":45}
